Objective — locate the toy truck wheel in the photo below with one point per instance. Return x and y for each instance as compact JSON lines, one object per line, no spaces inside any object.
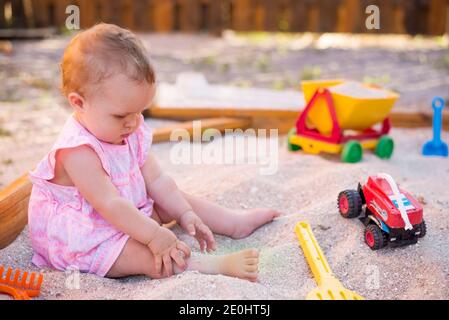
{"x":423,"y":229}
{"x":384,"y":148}
{"x":349,"y":203}
{"x":374,"y":237}
{"x":352,"y":152}
{"x":292,"y":147}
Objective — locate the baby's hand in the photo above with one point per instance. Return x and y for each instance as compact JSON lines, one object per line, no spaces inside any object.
{"x":192,"y":224}
{"x":165,"y":247}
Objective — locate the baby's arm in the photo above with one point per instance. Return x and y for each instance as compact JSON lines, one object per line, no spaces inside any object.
{"x":164,"y":191}
{"x":86,"y":172}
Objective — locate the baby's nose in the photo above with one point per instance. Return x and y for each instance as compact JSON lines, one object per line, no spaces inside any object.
{"x":132,"y":122}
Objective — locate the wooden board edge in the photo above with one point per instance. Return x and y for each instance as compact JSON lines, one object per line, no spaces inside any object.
{"x":400,"y":119}
{"x":221,"y":124}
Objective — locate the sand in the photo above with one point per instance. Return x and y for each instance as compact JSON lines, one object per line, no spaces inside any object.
{"x":305,"y":187}
{"x":358,"y":90}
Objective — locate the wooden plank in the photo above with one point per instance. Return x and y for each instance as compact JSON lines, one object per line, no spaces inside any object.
{"x":437,"y":12}
{"x":216,"y":22}
{"x":243,"y":18}
{"x":140,"y":15}
{"x":163,"y":15}
{"x":284,"y":19}
{"x":313,"y":17}
{"x":204,"y":15}
{"x":101,"y":10}
{"x":282,"y":124}
{"x":28,"y":11}
{"x":163,"y":134}
{"x":399,"y":118}
{"x":39,"y":12}
{"x":12,"y":222}
{"x":111,"y":12}
{"x":40,"y":33}
{"x":14,"y":209}
{"x":15,"y":192}
{"x":88,"y":13}
{"x":2,"y":14}
{"x":271,"y":13}
{"x":386,"y":8}
{"x":299,"y":16}
{"x":344,"y":19}
{"x":60,"y":15}
{"x":190,"y":15}
{"x":328,"y":15}
{"x":126,"y":12}
{"x":18,"y":13}
{"x":259,"y":15}
{"x":399,"y":17}
{"x":192,"y":113}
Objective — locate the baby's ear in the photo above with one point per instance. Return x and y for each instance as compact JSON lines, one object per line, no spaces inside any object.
{"x":76,"y":101}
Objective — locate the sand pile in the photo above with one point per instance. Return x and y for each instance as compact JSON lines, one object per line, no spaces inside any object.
{"x":305,"y":187}
{"x":358,"y":90}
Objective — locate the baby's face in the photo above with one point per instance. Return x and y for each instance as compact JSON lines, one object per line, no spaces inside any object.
{"x":114,"y":112}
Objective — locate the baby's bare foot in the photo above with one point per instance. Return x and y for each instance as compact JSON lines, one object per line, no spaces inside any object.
{"x":249,"y":220}
{"x":242,"y":264}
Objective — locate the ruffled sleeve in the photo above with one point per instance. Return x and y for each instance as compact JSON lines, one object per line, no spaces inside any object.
{"x":144,"y":139}
{"x":72,"y":136}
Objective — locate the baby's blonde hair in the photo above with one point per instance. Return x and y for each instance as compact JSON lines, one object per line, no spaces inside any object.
{"x":102,"y":51}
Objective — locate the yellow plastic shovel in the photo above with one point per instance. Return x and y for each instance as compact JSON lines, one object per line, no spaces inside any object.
{"x":329,"y":287}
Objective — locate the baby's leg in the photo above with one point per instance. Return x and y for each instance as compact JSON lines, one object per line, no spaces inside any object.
{"x":137,"y":259}
{"x":232,"y":223}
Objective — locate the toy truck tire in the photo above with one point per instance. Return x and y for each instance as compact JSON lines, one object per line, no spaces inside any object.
{"x":352,"y":152}
{"x":290,"y":146}
{"x":349,"y":203}
{"x":375,"y":238}
{"x":384,"y":148}
{"x":423,"y":229}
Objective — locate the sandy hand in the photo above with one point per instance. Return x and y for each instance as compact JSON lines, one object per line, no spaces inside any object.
{"x":165,"y":246}
{"x":193,"y":225}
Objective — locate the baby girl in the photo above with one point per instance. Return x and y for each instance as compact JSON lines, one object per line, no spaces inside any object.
{"x":100,"y":200}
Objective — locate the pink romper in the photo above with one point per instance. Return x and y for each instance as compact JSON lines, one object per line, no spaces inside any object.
{"x":66,"y":232}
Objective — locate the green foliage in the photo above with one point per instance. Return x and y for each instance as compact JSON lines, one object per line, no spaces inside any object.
{"x":262,"y":63}
{"x":4,"y":132}
{"x":380,"y":80}
{"x":278,"y":84}
{"x":446,"y":60}
{"x":7,"y":162}
{"x":311,"y":72}
{"x":225,"y":67}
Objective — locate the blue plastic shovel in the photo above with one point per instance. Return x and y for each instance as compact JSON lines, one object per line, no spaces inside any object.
{"x":436,"y":147}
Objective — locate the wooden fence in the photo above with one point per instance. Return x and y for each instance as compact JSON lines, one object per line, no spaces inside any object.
{"x":396,"y":16}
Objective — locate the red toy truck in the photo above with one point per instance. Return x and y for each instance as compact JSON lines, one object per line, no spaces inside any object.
{"x":390,"y":215}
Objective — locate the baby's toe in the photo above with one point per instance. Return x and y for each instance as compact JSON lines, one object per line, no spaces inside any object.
{"x":251,"y":261}
{"x":251,"y":268}
{"x":252,"y":276}
{"x":251,"y":253}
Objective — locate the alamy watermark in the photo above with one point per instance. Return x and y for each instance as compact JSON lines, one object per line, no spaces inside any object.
{"x":72,"y":22}
{"x":236,"y":147}
{"x":373,"y":20}
{"x":72,"y":280}
{"x":372,"y":281}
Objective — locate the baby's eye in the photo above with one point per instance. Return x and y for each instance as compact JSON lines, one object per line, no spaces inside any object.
{"x":119,"y":117}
